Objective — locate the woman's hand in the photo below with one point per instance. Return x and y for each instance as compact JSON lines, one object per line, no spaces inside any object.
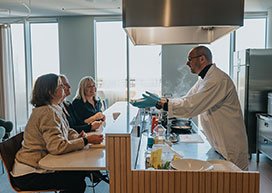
{"x":96,"y":125}
{"x":82,"y":134}
{"x":95,"y":139}
{"x":99,"y":116}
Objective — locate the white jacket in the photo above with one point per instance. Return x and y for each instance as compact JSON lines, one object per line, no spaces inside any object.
{"x":216,"y":100}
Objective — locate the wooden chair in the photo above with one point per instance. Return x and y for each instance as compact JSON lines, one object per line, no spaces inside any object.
{"x":8,"y":150}
{"x":2,"y":134}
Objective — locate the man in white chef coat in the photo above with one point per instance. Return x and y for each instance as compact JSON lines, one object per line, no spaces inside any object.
{"x":215,"y":99}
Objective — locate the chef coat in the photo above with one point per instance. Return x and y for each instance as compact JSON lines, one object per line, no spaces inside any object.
{"x":214,"y":97}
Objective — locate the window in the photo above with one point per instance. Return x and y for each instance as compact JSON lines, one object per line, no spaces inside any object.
{"x":145,"y":69}
{"x":44,"y":48}
{"x":252,"y":34}
{"x":111,"y":61}
{"x":18,"y":53}
{"x":112,"y":64}
{"x":44,"y":54}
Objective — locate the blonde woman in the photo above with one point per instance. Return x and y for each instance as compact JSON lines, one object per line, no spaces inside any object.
{"x":70,"y":113}
{"x":86,"y":105}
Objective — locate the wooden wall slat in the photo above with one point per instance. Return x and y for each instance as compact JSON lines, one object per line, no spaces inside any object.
{"x":214,"y":182}
{"x":233,"y":183}
{"x":165,"y":180}
{"x":239,"y":181}
{"x":189,"y":182}
{"x":245,"y":183}
{"x":226,"y":182}
{"x":251,"y":184}
{"x":147,"y":181}
{"x":128,"y":166}
{"x":171,"y":182}
{"x":123,"y":165}
{"x":110,"y":162}
{"x":135,"y":180}
{"x":153,"y":186}
{"x":220,"y":186}
{"x":195,"y":184}
{"x":141,"y":182}
{"x":183,"y":182}
{"x":159,"y":182}
{"x":177,"y":182}
{"x":208,"y":182}
{"x":257,"y":181}
{"x":202,"y":182}
{"x":117,"y":164}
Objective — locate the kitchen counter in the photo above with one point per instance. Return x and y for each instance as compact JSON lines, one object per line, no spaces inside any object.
{"x":126,"y":176}
{"x":192,"y":150}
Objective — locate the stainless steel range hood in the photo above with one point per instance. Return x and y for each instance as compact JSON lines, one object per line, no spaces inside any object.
{"x":180,"y":21}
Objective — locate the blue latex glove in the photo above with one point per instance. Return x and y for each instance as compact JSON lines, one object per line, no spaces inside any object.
{"x":144,"y":102}
{"x":151,"y":95}
{"x":149,"y":100}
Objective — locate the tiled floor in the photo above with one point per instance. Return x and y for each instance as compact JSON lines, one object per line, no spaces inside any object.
{"x":264,"y":167}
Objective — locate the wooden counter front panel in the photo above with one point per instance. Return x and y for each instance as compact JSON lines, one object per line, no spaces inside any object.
{"x":123,"y":179}
{"x":194,"y":182}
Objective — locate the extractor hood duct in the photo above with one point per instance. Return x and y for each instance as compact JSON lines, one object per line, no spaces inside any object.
{"x":180,"y":21}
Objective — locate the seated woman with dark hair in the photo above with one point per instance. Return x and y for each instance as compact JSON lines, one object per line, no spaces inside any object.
{"x":86,"y":104}
{"x":48,"y":131}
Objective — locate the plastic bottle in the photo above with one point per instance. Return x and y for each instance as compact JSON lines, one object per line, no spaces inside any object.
{"x":159,"y":132}
{"x":154,"y":123}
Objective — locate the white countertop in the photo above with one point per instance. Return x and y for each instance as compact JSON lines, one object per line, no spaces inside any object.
{"x":94,"y":157}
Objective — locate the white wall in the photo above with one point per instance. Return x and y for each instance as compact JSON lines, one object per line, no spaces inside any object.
{"x":76,"y":41}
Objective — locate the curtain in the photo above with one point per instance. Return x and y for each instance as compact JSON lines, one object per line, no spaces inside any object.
{"x":7,"y":95}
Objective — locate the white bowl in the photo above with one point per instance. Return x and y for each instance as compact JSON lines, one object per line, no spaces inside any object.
{"x":191,"y":165}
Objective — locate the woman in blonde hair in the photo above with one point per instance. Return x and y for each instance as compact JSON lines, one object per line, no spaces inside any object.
{"x":86,"y":104}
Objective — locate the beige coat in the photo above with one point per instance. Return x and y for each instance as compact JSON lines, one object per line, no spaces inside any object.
{"x":47,"y":131}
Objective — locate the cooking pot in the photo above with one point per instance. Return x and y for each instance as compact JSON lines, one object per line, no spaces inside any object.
{"x":181,"y":126}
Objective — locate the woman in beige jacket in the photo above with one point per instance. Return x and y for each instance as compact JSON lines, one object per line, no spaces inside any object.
{"x":47,"y":131}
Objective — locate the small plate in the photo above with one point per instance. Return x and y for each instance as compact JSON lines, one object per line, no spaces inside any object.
{"x":191,"y":165}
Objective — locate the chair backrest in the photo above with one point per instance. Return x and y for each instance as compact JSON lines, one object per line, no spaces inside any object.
{"x":8,"y":150}
{"x":8,"y":125}
{"x":2,"y":133}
